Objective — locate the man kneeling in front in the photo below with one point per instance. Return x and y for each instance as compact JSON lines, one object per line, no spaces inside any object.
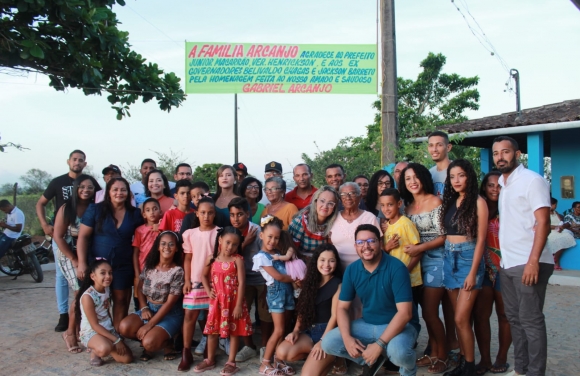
{"x":389,"y":326}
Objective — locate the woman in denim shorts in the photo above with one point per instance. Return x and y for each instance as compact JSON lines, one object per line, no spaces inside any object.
{"x":464,"y":216}
{"x":321,"y":286}
{"x":160,"y":293}
{"x":423,"y":209}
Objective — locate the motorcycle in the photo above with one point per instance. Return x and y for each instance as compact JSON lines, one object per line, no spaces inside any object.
{"x":21,"y":258}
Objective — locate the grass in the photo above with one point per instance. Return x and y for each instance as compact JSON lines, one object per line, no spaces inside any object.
{"x":27,"y":203}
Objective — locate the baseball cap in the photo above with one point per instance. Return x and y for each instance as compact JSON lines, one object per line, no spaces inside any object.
{"x":273,"y":166}
{"x":241,"y":167}
{"x":113,"y":168}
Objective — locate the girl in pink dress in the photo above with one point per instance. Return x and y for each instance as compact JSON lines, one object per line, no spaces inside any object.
{"x":224,"y":279}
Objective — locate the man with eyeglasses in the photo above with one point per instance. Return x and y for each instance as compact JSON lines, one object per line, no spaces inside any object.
{"x":301,"y":195}
{"x":389,"y":325}
{"x":182,"y":171}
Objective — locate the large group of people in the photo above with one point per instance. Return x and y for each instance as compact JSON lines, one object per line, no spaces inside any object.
{"x":336,"y":273}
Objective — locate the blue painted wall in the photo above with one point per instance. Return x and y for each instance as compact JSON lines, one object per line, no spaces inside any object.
{"x":565,"y":150}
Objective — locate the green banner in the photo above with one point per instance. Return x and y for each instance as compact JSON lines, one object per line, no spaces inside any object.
{"x":220,"y":68}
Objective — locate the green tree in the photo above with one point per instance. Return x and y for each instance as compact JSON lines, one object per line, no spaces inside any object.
{"x":77,"y":44}
{"x":5,"y":145}
{"x":432,"y":100}
{"x":207,"y":173}
{"x":35,"y":181}
{"x":166,"y":162}
{"x":7,"y":189}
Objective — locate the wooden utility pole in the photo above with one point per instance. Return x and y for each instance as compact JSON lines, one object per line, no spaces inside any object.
{"x":236,"y":128}
{"x":389,"y":117}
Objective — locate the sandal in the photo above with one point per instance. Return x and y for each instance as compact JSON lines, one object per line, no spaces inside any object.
{"x":145,"y":356}
{"x":97,"y":362}
{"x":74,"y":349}
{"x":425,"y":361}
{"x":205,"y":365}
{"x":481,"y":370}
{"x":269,"y":371}
{"x":438,"y":366}
{"x":341,"y":369}
{"x":282,"y":366}
{"x":499,"y":368}
{"x":229,"y":369}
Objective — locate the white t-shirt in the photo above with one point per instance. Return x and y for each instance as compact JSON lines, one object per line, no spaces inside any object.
{"x":524,"y":193}
{"x":438,"y":181}
{"x":261,"y":260}
{"x":16,"y":216}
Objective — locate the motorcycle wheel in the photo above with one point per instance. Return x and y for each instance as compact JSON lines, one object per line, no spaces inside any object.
{"x":35,"y":269}
{"x":7,"y":263}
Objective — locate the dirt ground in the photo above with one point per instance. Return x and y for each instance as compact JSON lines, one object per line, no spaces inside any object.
{"x":30,"y":346}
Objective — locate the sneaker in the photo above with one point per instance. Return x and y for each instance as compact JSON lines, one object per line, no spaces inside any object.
{"x":224,"y":344}
{"x":297,"y":293}
{"x":514,"y":373}
{"x":262,"y":351}
{"x":246,"y":353}
{"x":201,"y":347}
{"x":373,"y":369}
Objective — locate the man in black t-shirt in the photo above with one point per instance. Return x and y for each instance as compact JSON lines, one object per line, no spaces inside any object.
{"x":60,"y":189}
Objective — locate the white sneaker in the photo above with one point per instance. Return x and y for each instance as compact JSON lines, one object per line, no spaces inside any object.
{"x":245,"y":354}
{"x":201,"y":347}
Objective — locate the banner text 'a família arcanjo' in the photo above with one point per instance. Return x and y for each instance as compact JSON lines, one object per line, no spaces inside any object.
{"x":220,"y":68}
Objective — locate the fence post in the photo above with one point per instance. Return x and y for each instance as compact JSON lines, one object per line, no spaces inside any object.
{"x":14,"y":194}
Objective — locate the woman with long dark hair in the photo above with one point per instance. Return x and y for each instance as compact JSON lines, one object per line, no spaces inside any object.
{"x":158,"y":188}
{"x":464,"y":216}
{"x":380,"y":181}
{"x":491,"y":289}
{"x":66,"y":230}
{"x":106,"y":231}
{"x":159,"y":292}
{"x":423,"y":209}
{"x":316,"y":311}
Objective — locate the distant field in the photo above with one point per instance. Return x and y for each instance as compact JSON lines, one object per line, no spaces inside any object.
{"x":27,"y":203}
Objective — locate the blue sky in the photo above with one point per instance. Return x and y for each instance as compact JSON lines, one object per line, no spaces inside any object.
{"x":539,"y":38}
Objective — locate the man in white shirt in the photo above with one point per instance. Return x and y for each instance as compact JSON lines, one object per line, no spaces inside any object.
{"x":524,"y":204}
{"x":12,"y":226}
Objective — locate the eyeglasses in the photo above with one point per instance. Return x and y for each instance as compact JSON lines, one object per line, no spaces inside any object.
{"x":386,"y":184}
{"x":348,"y":194}
{"x":253,"y":187}
{"x":363,"y":185}
{"x":328,"y":204}
{"x":370,"y":241}
{"x":270,"y":190}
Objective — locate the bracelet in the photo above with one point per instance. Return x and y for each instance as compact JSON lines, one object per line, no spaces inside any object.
{"x":381,"y":343}
{"x":145,"y":308}
{"x":118,"y":340}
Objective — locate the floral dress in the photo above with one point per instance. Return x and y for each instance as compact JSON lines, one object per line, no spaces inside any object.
{"x":220,"y":320}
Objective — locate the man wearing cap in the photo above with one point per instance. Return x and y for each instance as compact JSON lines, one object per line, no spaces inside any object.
{"x":241,"y":172}
{"x":301,"y":195}
{"x":272,"y":169}
{"x":110,"y":172}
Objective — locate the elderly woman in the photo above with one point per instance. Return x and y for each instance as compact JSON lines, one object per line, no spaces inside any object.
{"x":572,"y":220}
{"x":347,"y":220}
{"x":275,"y":191}
{"x":251,"y":190}
{"x":311,"y":227}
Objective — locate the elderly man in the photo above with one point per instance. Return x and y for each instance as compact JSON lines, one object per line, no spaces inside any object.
{"x":399,"y":167}
{"x":526,"y":267}
{"x":301,"y":195}
{"x":389,"y":324}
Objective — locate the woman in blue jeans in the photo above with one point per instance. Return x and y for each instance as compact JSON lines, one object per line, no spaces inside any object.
{"x":321,"y":286}
{"x":464,"y":217}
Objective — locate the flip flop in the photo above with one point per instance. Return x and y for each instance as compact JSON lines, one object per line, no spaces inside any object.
{"x":145,"y":356}
{"x":229,"y":369}
{"x":97,"y":362}
{"x":481,"y":370}
{"x":499,"y":368}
